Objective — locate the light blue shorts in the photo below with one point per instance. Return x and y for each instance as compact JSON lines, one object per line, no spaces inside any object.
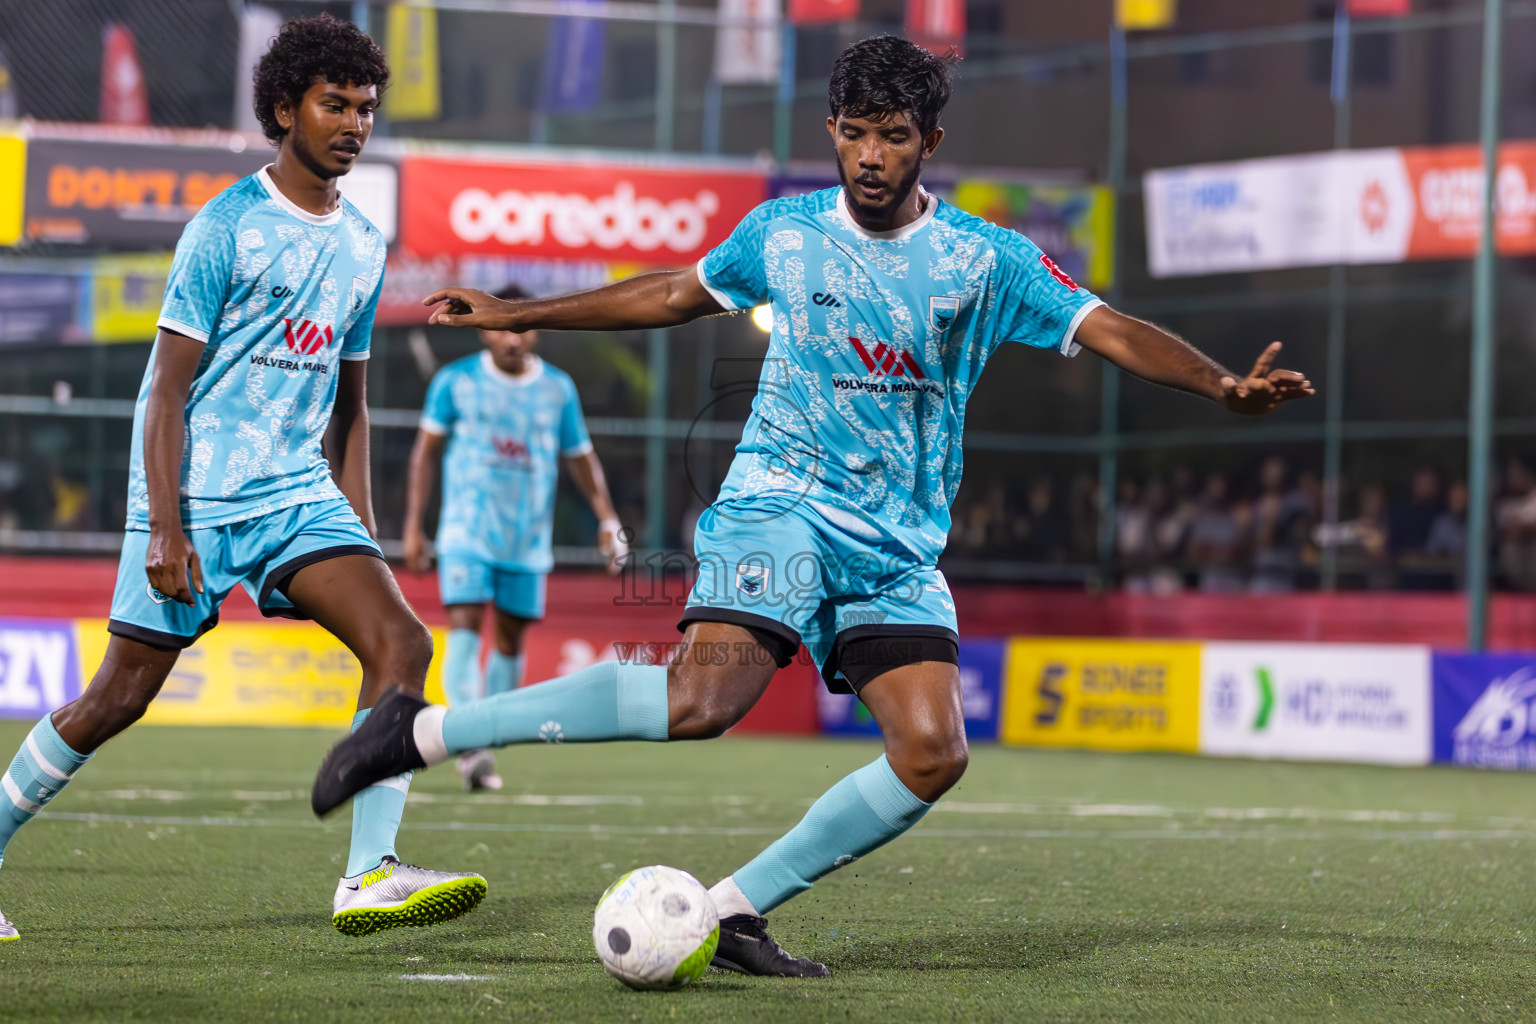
{"x":790,"y":570}
{"x":473,"y":581}
{"x":260,"y":554}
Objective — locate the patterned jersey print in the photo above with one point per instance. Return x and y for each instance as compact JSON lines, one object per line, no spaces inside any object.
{"x":506,"y":436}
{"x":878,"y":339}
{"x":278,"y":296}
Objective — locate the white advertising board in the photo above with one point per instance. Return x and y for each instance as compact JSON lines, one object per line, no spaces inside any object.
{"x":1323,"y":702}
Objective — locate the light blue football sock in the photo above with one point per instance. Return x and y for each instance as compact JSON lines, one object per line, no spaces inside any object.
{"x":376,"y":813}
{"x":461,"y":667}
{"x":503,"y":673}
{"x":41,"y":768}
{"x":606,"y":701}
{"x":861,"y":813}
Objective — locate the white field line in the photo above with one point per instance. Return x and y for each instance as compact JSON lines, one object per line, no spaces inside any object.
{"x":447,"y":977}
{"x":1219,"y":834}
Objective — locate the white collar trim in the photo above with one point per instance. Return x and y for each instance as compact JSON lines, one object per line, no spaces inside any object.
{"x":293,"y":209}
{"x":534,"y":371}
{"x":895,"y":235}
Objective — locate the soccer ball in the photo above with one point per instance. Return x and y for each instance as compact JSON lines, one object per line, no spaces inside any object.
{"x":656,"y":927}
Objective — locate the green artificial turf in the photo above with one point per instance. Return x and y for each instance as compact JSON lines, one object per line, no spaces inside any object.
{"x":181,"y":876}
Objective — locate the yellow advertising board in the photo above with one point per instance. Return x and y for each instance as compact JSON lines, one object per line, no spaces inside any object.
{"x":256,"y":673}
{"x":410,"y":39}
{"x":13,"y":182}
{"x":126,"y":295}
{"x":1102,"y":694}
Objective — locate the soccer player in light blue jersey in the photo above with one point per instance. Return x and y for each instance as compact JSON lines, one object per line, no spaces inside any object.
{"x":250,"y":459}
{"x":886,"y":304}
{"x":507,"y":419}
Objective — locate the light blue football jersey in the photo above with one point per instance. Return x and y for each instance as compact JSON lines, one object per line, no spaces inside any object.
{"x":278,"y":296}
{"x":506,"y":436}
{"x":878,"y":339}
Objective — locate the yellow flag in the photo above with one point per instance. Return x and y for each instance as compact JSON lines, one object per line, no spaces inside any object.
{"x":1142,"y":14}
{"x":411,"y":42}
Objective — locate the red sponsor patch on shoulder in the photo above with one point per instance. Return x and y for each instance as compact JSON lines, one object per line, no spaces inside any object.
{"x":1060,"y":275}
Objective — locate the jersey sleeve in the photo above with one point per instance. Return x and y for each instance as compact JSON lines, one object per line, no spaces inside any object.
{"x":574,"y":441}
{"x":1035,"y":301}
{"x":438,"y":414}
{"x":360,"y":335}
{"x":733,"y":272}
{"x":199,"y":281}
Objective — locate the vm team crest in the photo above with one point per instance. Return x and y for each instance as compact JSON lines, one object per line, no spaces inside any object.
{"x":751,"y":579}
{"x":942,"y":311}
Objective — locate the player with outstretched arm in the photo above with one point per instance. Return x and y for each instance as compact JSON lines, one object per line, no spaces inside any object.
{"x":829,"y":525}
{"x":506,"y":419}
{"x":250,"y":459}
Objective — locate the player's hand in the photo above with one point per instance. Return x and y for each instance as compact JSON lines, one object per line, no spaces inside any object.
{"x":611,"y":542}
{"x":1265,"y":388}
{"x":414,"y":546}
{"x":466,"y":307}
{"x":171,"y":560}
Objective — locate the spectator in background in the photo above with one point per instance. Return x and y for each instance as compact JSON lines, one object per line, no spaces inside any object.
{"x":1216,"y":539}
{"x":1135,"y":549}
{"x":1366,"y":538}
{"x":1408,"y":526}
{"x":1515,"y":517}
{"x":1281,"y":523}
{"x":1447,"y":541}
{"x":1171,"y":533}
{"x":1085,"y":512}
{"x":1047,"y":534}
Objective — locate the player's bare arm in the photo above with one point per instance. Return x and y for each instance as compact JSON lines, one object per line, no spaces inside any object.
{"x":421,"y":477}
{"x":1154,"y":354}
{"x":587,"y":471}
{"x":665,"y":299}
{"x":346,"y":440}
{"x":172,"y":561}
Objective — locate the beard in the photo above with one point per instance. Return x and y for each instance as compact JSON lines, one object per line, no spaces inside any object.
{"x":300,"y":147}
{"x":898,"y":195}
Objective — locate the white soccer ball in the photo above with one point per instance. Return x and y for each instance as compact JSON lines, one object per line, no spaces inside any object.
{"x":656,"y":927}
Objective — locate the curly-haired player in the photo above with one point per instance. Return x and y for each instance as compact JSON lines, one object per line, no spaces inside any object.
{"x":250,"y":459}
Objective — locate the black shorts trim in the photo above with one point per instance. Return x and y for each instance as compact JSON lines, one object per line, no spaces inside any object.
{"x":279,"y":578}
{"x":155,"y":638}
{"x":781,"y":641}
{"x":930,"y":643}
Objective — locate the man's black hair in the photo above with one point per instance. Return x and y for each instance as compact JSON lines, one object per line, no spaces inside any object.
{"x":310,"y":50}
{"x":887,"y":75}
{"x":512,"y":293}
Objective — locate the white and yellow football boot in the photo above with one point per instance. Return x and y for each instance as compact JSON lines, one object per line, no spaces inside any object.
{"x":8,"y":932}
{"x":396,"y":895}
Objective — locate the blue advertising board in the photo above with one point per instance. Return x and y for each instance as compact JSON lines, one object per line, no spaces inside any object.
{"x":39,"y":666}
{"x":1485,"y":710}
{"x":981,"y":676}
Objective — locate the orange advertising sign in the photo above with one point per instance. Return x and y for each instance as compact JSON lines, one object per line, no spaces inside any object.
{"x":1448,"y":192}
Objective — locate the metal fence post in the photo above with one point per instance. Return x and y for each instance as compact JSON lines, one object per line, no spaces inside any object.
{"x":1484,"y":335}
{"x":1338,"y":308}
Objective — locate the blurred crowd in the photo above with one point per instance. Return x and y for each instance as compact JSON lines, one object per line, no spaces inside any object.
{"x":1219,"y":534}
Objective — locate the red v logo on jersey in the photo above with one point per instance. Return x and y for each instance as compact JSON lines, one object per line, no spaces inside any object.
{"x":305,"y":336}
{"x":884,"y":361}
{"x":510,"y":448}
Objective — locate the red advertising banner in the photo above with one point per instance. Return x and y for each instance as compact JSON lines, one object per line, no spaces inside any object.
{"x":937,"y":25}
{"x":123,"y":96}
{"x":822,"y":12}
{"x":1380,"y":8}
{"x":581,"y":211}
{"x":1447,"y":183}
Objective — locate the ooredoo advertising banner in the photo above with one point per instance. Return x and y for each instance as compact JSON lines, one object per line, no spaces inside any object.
{"x":1323,"y":702}
{"x":1485,"y":710}
{"x":1102,"y":694}
{"x":38,"y":667}
{"x":1351,"y":206}
{"x":582,"y":211}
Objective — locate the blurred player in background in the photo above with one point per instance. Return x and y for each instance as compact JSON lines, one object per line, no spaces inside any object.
{"x":887,"y":303}
{"x":506,"y":418}
{"x":250,"y":459}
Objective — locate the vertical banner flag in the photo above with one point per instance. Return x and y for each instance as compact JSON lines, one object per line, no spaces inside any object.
{"x":747,"y":49}
{"x":258,"y":27}
{"x":937,"y":25}
{"x":10,"y":100}
{"x":573,"y":64}
{"x":1380,"y":8}
{"x":1132,"y":15}
{"x":822,"y":12}
{"x":410,"y":39}
{"x":123,"y":98}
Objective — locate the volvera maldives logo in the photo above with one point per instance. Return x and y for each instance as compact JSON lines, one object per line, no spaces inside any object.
{"x":305,"y":337}
{"x":884,"y":361}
